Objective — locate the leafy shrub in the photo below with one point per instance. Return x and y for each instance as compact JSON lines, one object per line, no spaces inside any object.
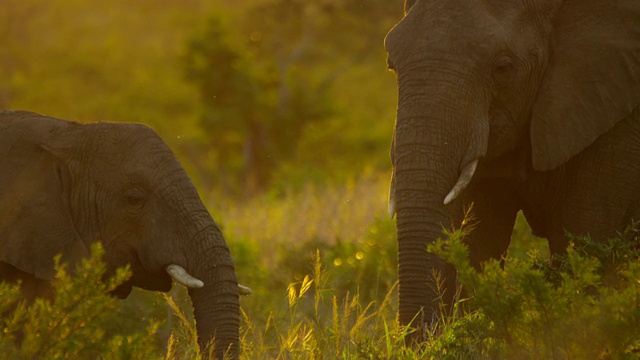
{"x":331,"y":294}
{"x":583,"y":305}
{"x":74,"y":323}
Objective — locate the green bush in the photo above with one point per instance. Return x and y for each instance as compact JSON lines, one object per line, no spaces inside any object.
{"x":327,"y":292}
{"x":76,"y":322}
{"x":583,"y":305}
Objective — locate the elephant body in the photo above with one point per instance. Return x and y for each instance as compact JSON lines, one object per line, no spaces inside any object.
{"x":596,"y":193}
{"x":65,"y":185}
{"x":584,"y":196}
{"x":508,"y":106}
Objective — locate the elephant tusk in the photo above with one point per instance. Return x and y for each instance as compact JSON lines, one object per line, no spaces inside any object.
{"x":392,"y":205}
{"x":244,"y":290}
{"x":392,"y":195}
{"x":179,"y":274}
{"x":463,"y":181}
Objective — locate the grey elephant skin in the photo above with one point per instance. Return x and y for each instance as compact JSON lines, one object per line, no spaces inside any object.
{"x":504,"y":106}
{"x":65,"y":185}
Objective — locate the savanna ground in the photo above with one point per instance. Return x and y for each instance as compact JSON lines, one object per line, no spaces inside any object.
{"x":282,"y":113}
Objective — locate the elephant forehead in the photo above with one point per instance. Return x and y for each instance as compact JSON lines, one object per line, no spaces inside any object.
{"x":130,"y":151}
{"x":129,"y":142}
{"x":475,"y":30}
{"x":125,"y":134}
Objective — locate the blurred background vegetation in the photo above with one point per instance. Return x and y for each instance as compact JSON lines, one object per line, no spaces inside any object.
{"x":253,"y":95}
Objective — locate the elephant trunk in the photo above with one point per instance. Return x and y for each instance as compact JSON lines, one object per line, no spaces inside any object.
{"x":216,"y":306}
{"x":437,"y":146}
{"x":194,"y":251}
{"x":420,"y":189}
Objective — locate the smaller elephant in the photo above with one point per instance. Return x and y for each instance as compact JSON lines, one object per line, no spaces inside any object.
{"x":65,"y":185}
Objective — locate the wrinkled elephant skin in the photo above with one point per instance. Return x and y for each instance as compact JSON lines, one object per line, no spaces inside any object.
{"x":65,"y":185}
{"x":510,"y":106}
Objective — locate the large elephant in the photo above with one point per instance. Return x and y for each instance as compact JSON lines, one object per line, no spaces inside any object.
{"x":509,"y":105}
{"x":64,"y":185}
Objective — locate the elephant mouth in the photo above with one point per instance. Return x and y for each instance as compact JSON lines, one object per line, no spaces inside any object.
{"x":122,"y":291}
{"x":141,"y":277}
{"x":466,"y":175}
{"x":159,"y":280}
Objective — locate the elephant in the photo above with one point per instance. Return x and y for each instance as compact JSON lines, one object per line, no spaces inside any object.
{"x":65,"y":185}
{"x":507,"y":106}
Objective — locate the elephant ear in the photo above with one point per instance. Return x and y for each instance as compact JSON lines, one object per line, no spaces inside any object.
{"x":593,"y":78}
{"x":35,"y":218}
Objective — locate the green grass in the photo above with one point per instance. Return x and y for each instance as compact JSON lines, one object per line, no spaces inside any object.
{"x":322,"y":264}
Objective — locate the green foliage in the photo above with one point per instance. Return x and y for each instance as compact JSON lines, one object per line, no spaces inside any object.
{"x":232,"y":100}
{"x":304,"y":306}
{"x":366,"y":266}
{"x":253,"y":112}
{"x":523,"y":241}
{"x":74,"y":323}
{"x":182,"y":342}
{"x":584,"y":305}
{"x":277,"y":93}
{"x":330,"y":70}
{"x":333,"y":328}
{"x":274,"y":238}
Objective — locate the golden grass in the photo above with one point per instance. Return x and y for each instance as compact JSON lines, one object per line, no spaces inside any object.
{"x":342,"y":212}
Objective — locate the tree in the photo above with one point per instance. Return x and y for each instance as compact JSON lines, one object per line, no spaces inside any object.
{"x":334,"y":49}
{"x":271,"y":83}
{"x":16,"y":33}
{"x":253,"y":117}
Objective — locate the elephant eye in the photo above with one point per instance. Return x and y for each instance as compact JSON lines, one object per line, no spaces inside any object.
{"x":503,"y":69}
{"x":135,"y":197}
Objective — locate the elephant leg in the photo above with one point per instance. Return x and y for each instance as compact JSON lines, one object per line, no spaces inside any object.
{"x":495,"y":205}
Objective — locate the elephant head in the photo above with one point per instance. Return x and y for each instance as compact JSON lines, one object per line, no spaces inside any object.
{"x":483,"y":85}
{"x":64,"y":185}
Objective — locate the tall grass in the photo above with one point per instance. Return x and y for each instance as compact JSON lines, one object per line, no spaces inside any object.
{"x":322,"y":264}
{"x":328,"y":214}
{"x":318,"y":325}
